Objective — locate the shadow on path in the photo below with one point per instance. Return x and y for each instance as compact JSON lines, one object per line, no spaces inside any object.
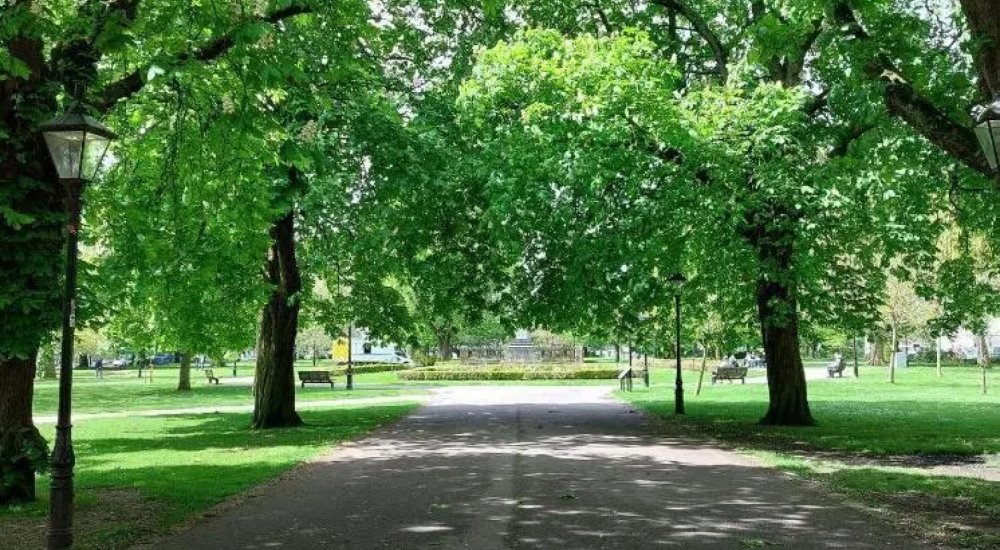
{"x":541,"y":472}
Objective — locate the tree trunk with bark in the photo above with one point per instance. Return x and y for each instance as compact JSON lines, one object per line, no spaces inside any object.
{"x":777,"y":307}
{"x":984,"y":26}
{"x":878,"y":352}
{"x":894,"y":346}
{"x":274,"y":385}
{"x":786,"y":379}
{"x":982,"y":350}
{"x":937,"y":356}
{"x":445,"y":347}
{"x":982,"y":357}
{"x":18,"y":433}
{"x":32,"y":272}
{"x":184,"y":379}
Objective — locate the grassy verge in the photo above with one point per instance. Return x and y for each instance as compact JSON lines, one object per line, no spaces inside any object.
{"x":124,"y":391}
{"x":137,"y":477}
{"x":897,"y":448}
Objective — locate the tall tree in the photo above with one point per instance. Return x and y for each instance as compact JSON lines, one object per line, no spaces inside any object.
{"x":103,"y":54}
{"x":600,"y":171}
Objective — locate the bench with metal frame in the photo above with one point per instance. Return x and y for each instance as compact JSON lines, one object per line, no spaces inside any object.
{"x":211,"y":377}
{"x":315,"y":377}
{"x":730,"y":373}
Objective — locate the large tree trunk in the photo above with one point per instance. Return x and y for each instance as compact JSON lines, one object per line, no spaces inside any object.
{"x":984,"y":26}
{"x":445,"y":348}
{"x":786,"y":378}
{"x":274,"y":385}
{"x":982,"y":350}
{"x":777,"y":307}
{"x":184,"y":379}
{"x":878,"y":351}
{"x":32,"y":254}
{"x":17,"y":432}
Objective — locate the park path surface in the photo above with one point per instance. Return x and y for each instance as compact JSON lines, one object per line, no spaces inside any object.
{"x":211,"y":409}
{"x":532,"y":468}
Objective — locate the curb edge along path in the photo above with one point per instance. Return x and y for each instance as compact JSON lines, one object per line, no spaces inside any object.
{"x":537,"y":467}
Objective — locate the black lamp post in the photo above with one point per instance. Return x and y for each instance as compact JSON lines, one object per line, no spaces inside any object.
{"x":677,"y":280}
{"x":987,"y":119}
{"x":77,"y":145}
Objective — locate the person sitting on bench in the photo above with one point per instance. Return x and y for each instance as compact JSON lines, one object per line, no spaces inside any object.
{"x":837,"y":366}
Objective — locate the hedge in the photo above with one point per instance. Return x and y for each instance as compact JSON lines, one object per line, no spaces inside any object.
{"x":370,"y":368}
{"x":523,"y":373}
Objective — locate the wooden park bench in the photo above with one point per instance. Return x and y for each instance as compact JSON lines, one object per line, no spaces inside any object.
{"x":315,"y":377}
{"x":211,"y":377}
{"x":836,"y":369}
{"x":730,"y":373}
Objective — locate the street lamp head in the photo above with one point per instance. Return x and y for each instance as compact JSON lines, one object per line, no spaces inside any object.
{"x":677,"y":280}
{"x":77,"y":144}
{"x":987,"y":119}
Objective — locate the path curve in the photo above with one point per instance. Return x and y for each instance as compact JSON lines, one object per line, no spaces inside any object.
{"x":544,"y":468}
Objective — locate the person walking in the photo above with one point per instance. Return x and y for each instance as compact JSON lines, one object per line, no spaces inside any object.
{"x":99,"y":368}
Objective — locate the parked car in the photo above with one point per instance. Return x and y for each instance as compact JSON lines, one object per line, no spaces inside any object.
{"x":123,"y":361}
{"x":163,"y":359}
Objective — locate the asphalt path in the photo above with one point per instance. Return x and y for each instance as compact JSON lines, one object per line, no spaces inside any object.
{"x":544,"y":468}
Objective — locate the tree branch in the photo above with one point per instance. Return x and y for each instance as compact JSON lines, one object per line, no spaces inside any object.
{"x":904,"y":101}
{"x":843,"y":144}
{"x":133,"y":82}
{"x":719,"y":52}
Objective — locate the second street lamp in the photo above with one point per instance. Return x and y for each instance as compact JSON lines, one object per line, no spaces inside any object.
{"x":77,"y":145}
{"x":677,"y":281}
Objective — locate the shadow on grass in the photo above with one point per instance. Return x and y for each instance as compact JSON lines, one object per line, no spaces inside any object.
{"x":179,"y":466}
{"x":905,"y":433}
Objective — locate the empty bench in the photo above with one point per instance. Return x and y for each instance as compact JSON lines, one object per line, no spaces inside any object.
{"x":211,"y":377}
{"x":315,"y":377}
{"x":730,"y":373}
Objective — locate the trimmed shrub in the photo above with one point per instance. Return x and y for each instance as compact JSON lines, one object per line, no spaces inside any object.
{"x":370,"y":368}
{"x":510,"y":373}
{"x":423,"y":360}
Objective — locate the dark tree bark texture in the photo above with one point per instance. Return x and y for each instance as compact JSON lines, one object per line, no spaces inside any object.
{"x":789,"y":403}
{"x":771,"y":233}
{"x":32,"y":259}
{"x":274,"y":385}
{"x":983,"y":18}
{"x":17,"y":432}
{"x":184,"y":378}
{"x":445,"y":349}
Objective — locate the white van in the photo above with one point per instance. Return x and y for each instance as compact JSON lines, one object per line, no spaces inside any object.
{"x":365,"y":350}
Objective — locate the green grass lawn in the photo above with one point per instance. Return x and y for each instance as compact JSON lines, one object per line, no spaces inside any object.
{"x":873,"y":442}
{"x":136,"y":477}
{"x":124,"y":391}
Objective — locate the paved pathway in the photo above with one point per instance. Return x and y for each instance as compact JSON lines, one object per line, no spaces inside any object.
{"x":300,"y":404}
{"x":533,"y":468}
